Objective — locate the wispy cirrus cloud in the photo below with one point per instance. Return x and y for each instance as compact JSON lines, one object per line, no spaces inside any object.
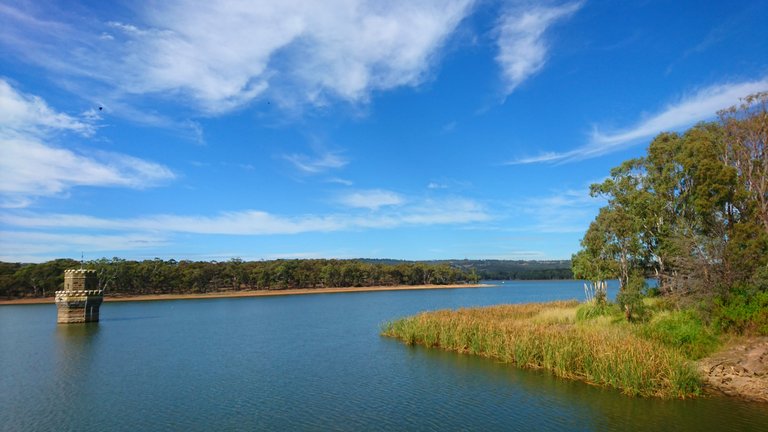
{"x":543,"y":157}
{"x":31,"y":167}
{"x":320,"y":162}
{"x":694,"y":107}
{"x":567,"y":211}
{"x":341,"y":181}
{"x":522,"y":47}
{"x":448,"y":183}
{"x":28,"y":243}
{"x":372,"y":199}
{"x":512,"y":254}
{"x":28,"y":114}
{"x":221,"y":55}
{"x":453,"y":211}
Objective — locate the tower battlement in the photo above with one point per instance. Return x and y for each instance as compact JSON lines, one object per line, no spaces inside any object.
{"x":81,"y":298}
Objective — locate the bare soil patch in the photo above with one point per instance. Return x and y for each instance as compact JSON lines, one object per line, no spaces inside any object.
{"x":741,"y":369}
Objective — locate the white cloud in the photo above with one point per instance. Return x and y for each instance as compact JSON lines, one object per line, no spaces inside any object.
{"x":522,"y":48}
{"x":566,"y":211}
{"x":512,"y":255}
{"x":26,"y":243}
{"x":29,"y":167}
{"x":31,"y":115}
{"x":448,"y":183}
{"x":223,"y":54}
{"x":692,"y":108}
{"x":318,"y":163}
{"x":544,"y":157}
{"x":371,"y":199}
{"x":340,"y":181}
{"x":299,"y":255}
{"x":447,"y":211}
{"x":254,"y":222}
{"x":43,"y":236}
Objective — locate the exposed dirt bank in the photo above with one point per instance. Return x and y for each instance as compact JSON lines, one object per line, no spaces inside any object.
{"x":741,"y":369}
{"x":258,"y":293}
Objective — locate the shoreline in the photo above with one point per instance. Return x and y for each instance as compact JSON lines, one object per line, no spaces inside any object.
{"x":610,"y":354}
{"x":250,"y":293}
{"x":739,"y":369}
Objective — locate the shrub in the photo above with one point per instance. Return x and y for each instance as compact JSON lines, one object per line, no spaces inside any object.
{"x":594,"y":309}
{"x":683,"y":330}
{"x":630,"y":299}
{"x":744,"y":312}
{"x":653,"y":292}
{"x":760,"y":279}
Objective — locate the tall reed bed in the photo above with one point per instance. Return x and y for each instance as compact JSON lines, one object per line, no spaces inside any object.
{"x":548,"y":336}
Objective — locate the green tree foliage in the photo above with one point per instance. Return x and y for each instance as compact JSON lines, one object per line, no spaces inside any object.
{"x":513,"y":269}
{"x":595,"y":261}
{"x":123,"y":277}
{"x":40,"y":280}
{"x":746,"y":134}
{"x":693,"y":213}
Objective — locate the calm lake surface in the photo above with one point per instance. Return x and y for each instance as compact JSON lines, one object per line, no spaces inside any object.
{"x":311,"y":362}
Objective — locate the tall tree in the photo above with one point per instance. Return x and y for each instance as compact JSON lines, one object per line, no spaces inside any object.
{"x":746,"y":134}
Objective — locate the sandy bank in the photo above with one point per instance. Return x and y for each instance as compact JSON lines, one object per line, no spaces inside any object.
{"x":250,"y":293}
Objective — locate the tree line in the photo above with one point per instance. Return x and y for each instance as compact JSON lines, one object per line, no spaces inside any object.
{"x":494,"y":269}
{"x":518,"y":269}
{"x":692,"y":213}
{"x":125,"y":277}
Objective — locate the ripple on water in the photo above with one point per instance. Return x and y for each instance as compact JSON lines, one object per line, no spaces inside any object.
{"x":303,"y":363}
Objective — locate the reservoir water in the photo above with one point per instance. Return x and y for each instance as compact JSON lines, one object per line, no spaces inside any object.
{"x":311,"y":362}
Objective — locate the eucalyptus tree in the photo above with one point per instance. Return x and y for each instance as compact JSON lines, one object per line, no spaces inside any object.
{"x":745,"y":129}
{"x":746,"y":133}
{"x":594,"y":262}
{"x":620,"y":224}
{"x":693,"y":212}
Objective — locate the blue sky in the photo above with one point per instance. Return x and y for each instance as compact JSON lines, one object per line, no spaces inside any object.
{"x":344,"y":128}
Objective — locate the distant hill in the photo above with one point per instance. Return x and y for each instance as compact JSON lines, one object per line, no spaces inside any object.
{"x":502,"y":269}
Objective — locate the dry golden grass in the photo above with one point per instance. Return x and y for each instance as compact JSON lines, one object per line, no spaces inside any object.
{"x":547,"y":335}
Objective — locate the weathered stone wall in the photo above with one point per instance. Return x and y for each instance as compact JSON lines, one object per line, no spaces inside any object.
{"x":80,"y":299}
{"x":78,"y":306}
{"x":80,"y":280}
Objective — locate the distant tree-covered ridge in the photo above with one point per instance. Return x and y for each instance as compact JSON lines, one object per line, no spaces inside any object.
{"x":157,"y":276}
{"x":124,"y":277}
{"x":494,"y":269}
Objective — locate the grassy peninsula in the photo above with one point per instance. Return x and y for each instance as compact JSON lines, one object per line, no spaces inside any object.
{"x":576,"y":341}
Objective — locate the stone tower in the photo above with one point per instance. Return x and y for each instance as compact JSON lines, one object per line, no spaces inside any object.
{"x":81,"y":297}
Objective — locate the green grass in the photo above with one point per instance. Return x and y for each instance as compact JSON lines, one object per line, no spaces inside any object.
{"x":600,"y":350}
{"x":682,"y":330}
{"x":591,"y":310}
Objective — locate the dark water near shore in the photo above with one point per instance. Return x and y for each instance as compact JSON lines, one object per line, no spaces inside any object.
{"x":313,"y":362}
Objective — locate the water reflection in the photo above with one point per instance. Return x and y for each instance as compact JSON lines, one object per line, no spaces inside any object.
{"x":573,"y":405}
{"x":74,"y":354}
{"x":76,"y":337}
{"x":131,"y":318}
